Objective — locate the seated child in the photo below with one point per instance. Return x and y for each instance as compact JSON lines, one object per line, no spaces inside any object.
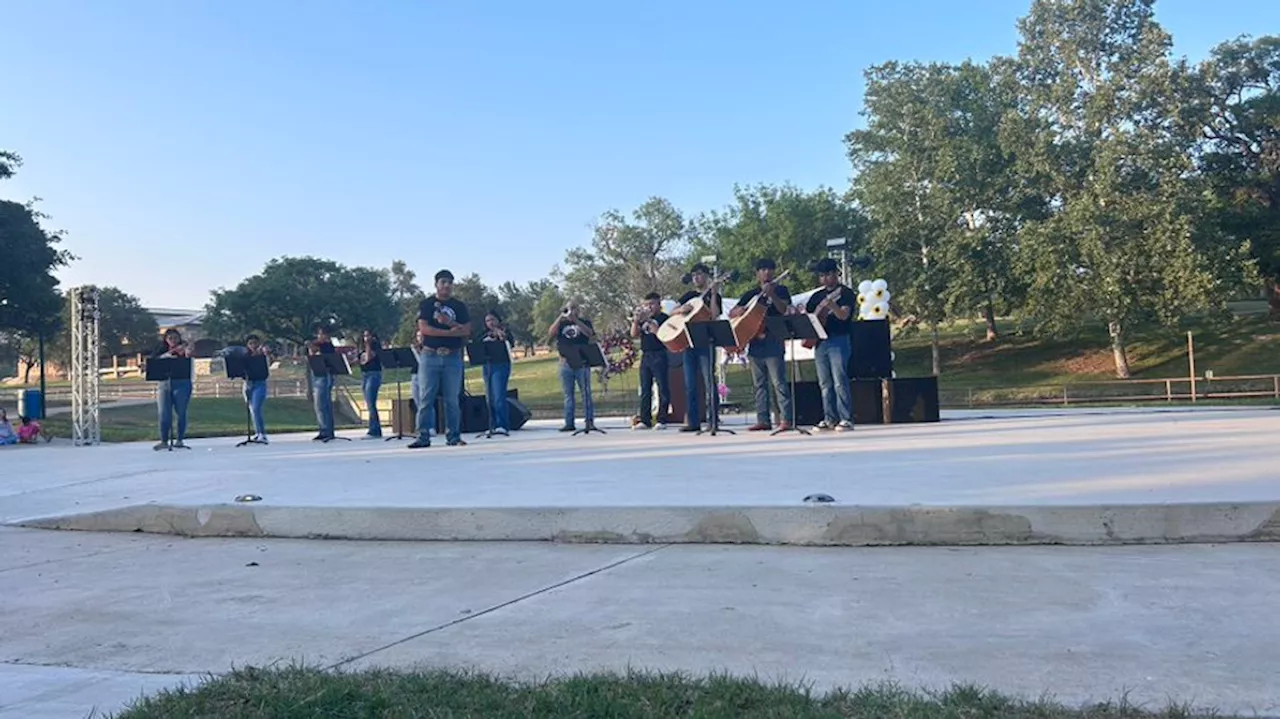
{"x":7,"y":435}
{"x":28,"y":430}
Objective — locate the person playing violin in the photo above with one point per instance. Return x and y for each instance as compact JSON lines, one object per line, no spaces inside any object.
{"x":172,"y":395}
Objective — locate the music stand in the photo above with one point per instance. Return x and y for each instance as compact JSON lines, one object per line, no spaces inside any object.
{"x":163,"y":369}
{"x":331,"y":364}
{"x":248,"y":368}
{"x":399,"y":358}
{"x":710,"y":335}
{"x":577,"y":357}
{"x":486,"y":353}
{"x":792,"y":328}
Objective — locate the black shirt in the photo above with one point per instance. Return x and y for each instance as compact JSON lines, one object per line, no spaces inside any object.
{"x":375,"y":361}
{"x":325,"y":348}
{"x":779,"y":291}
{"x":649,"y":341}
{"x":490,"y":338}
{"x":832,"y":324}
{"x":691,"y":294}
{"x":454,"y":308}
{"x":568,"y":334}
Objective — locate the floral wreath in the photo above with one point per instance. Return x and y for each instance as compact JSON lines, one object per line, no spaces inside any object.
{"x":619,"y":354}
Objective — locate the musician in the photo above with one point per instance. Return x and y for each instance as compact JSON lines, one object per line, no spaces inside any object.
{"x":698,"y":358}
{"x":371,"y":379}
{"x":322,"y":385}
{"x":570,"y":329}
{"x":766,"y":354}
{"x":445,"y":324}
{"x":833,"y":304}
{"x":497,"y":374}
{"x":255,"y":390}
{"x":172,"y":395}
{"x":653,"y":362}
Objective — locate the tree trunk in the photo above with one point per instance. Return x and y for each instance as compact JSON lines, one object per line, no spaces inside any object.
{"x":989,"y":314}
{"x":1273,"y":299}
{"x":26,"y":373}
{"x":937,"y":358}
{"x":1117,"y":349}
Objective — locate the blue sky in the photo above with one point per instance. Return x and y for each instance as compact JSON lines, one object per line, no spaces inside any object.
{"x":481,"y":136}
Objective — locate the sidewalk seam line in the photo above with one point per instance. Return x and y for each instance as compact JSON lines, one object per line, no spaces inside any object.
{"x":494,"y":608}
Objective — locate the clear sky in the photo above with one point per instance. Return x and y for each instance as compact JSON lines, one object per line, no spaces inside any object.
{"x":183,"y":143}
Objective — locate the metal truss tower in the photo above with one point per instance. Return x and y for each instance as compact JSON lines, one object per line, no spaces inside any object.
{"x":85,"y":343}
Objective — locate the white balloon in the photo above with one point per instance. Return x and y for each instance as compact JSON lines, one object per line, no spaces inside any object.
{"x":668,"y":306}
{"x":864,"y":287}
{"x":886,"y":297}
{"x":880,"y":310}
{"x":880,"y":285}
{"x":862,"y":299}
{"x":865,"y":308}
{"x":876,"y":296}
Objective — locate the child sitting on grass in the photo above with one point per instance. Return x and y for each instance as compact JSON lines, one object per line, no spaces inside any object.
{"x":28,"y":430}
{"x":7,"y":435}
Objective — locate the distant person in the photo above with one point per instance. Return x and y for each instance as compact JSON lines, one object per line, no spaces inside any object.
{"x":322,"y":386}
{"x":28,"y":430}
{"x":255,"y":390}
{"x":653,"y":363}
{"x":445,"y":324}
{"x":371,"y":379}
{"x":7,"y":434}
{"x":497,"y":375}
{"x":571,"y":329}
{"x":172,"y":396}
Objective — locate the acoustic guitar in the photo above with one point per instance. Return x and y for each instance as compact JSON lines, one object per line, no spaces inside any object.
{"x":750,"y":324}
{"x":673,"y":334}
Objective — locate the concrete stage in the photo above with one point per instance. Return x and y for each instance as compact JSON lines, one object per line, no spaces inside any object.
{"x":992,"y":477}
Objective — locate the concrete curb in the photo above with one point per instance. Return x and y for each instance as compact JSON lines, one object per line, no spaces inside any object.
{"x":830,"y":525}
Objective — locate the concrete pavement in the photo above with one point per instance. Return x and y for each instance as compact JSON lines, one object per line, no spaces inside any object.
{"x":1077,"y":477}
{"x":90,"y":620}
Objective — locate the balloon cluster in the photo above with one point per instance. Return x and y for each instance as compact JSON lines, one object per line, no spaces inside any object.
{"x":873,"y":300}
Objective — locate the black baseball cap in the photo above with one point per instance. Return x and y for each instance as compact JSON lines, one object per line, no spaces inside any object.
{"x":825,"y":265}
{"x":700,"y":268}
{"x":444,"y":275}
{"x":764,"y":263}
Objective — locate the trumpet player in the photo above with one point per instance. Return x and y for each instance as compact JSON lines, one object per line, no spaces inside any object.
{"x":653,"y":362}
{"x":833,"y":305}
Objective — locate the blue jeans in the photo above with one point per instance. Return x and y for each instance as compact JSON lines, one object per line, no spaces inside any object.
{"x":832,"y":359}
{"x":695,"y":358}
{"x":322,"y":388}
{"x":569,"y":378}
{"x":440,"y":374}
{"x":496,"y":377}
{"x":173,"y":396}
{"x":255,"y":394}
{"x":369,"y":384}
{"x":767,"y":370}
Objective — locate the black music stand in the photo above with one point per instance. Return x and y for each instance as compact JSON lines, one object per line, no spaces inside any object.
{"x":163,"y":369}
{"x":579,"y":356}
{"x":399,"y":358}
{"x":332,"y":364}
{"x":710,"y":335}
{"x":486,"y":353}
{"x":792,"y":328}
{"x":248,"y":368}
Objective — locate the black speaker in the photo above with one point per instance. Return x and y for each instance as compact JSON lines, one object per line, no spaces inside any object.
{"x":475,"y":414}
{"x":871,"y":357}
{"x":914,"y":399}
{"x":808,"y":400}
{"x":517,"y":413}
{"x":868,"y":401}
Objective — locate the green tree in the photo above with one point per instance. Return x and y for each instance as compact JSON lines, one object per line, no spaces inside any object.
{"x":1236,"y":93}
{"x":937,"y":186}
{"x":1095,"y":133}
{"x":546,"y":308}
{"x":408,"y":296}
{"x":518,"y":303}
{"x":478,"y":297}
{"x":9,"y":164}
{"x":783,"y":223}
{"x":124,"y":327}
{"x":629,"y":257}
{"x":294,"y":295}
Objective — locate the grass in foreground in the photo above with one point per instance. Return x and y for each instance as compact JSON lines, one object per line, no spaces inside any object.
{"x":295,"y":692}
{"x":206,"y":417}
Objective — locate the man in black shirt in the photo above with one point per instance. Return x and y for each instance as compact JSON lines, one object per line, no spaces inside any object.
{"x":445,"y":324}
{"x":653,"y":363}
{"x":833,"y":304}
{"x":570,"y":329}
{"x":698,"y":359}
{"x":766,"y":354}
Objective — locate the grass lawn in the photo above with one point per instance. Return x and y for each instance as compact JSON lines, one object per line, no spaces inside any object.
{"x":292,"y":692}
{"x":206,"y":417}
